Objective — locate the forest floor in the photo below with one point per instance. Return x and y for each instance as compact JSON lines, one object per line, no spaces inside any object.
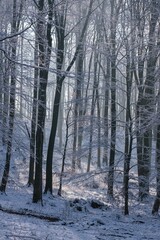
{"x":82,"y":213}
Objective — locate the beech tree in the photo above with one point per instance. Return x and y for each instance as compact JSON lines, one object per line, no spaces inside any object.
{"x":32,"y":135}
{"x":78,"y":107}
{"x":115,"y":8}
{"x":128,"y":45}
{"x":15,"y":25}
{"x":145,"y":82}
{"x":60,"y":31}
{"x":44,"y":35}
{"x":157,"y":199}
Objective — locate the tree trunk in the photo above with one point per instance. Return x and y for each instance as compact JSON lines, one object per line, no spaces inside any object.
{"x":60,"y":30}
{"x":64,"y":153}
{"x":98,"y":119}
{"x":48,"y":186}
{"x":106,"y":102}
{"x":157,"y":199}
{"x":99,"y":130}
{"x":1,"y":84}
{"x":148,"y":104}
{"x":128,"y":129}
{"x":6,"y":93}
{"x":44,"y":59}
{"x":14,"y":28}
{"x":114,"y":19}
{"x":113,"y":102}
{"x":60,"y":33}
{"x":34,"y":117}
{"x":93,"y":104}
{"x":78,"y":106}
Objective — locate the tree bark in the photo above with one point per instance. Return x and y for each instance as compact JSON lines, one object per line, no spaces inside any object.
{"x":14,"y":28}
{"x":128,"y":128}
{"x":60,"y":78}
{"x":34,"y":117}
{"x":114,"y":18}
{"x":44,"y":61}
{"x":148,"y":105}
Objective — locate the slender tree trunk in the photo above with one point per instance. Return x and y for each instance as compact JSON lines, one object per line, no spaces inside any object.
{"x":106,"y":103}
{"x":14,"y":29}
{"x":21,"y":81}
{"x":60,"y":29}
{"x":148,"y":104}
{"x":1,"y":86}
{"x":128,"y":130}
{"x":60,"y":33}
{"x":140,"y":85}
{"x":157,"y":199}
{"x":44,"y":59}
{"x":113,"y":103}
{"x":78,"y":107}
{"x":34,"y":117}
{"x":60,"y":119}
{"x":91,"y":131}
{"x":93,"y":104}
{"x":99,"y":130}
{"x":64,"y":153}
{"x":74,"y":138}
{"x":99,"y":120}
{"x":80,"y":80}
{"x":48,"y":186}
{"x":6,"y":93}
{"x":114,"y":19}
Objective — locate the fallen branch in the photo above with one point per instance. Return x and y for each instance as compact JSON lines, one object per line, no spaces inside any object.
{"x":26,"y":212}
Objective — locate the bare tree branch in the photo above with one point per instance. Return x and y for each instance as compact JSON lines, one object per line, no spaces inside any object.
{"x":17,"y":34}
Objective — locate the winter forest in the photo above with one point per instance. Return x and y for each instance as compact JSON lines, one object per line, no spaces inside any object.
{"x":80,"y":107}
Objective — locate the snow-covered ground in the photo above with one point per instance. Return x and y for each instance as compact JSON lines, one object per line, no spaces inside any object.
{"x":78,"y":220}
{"x":76,"y":217}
